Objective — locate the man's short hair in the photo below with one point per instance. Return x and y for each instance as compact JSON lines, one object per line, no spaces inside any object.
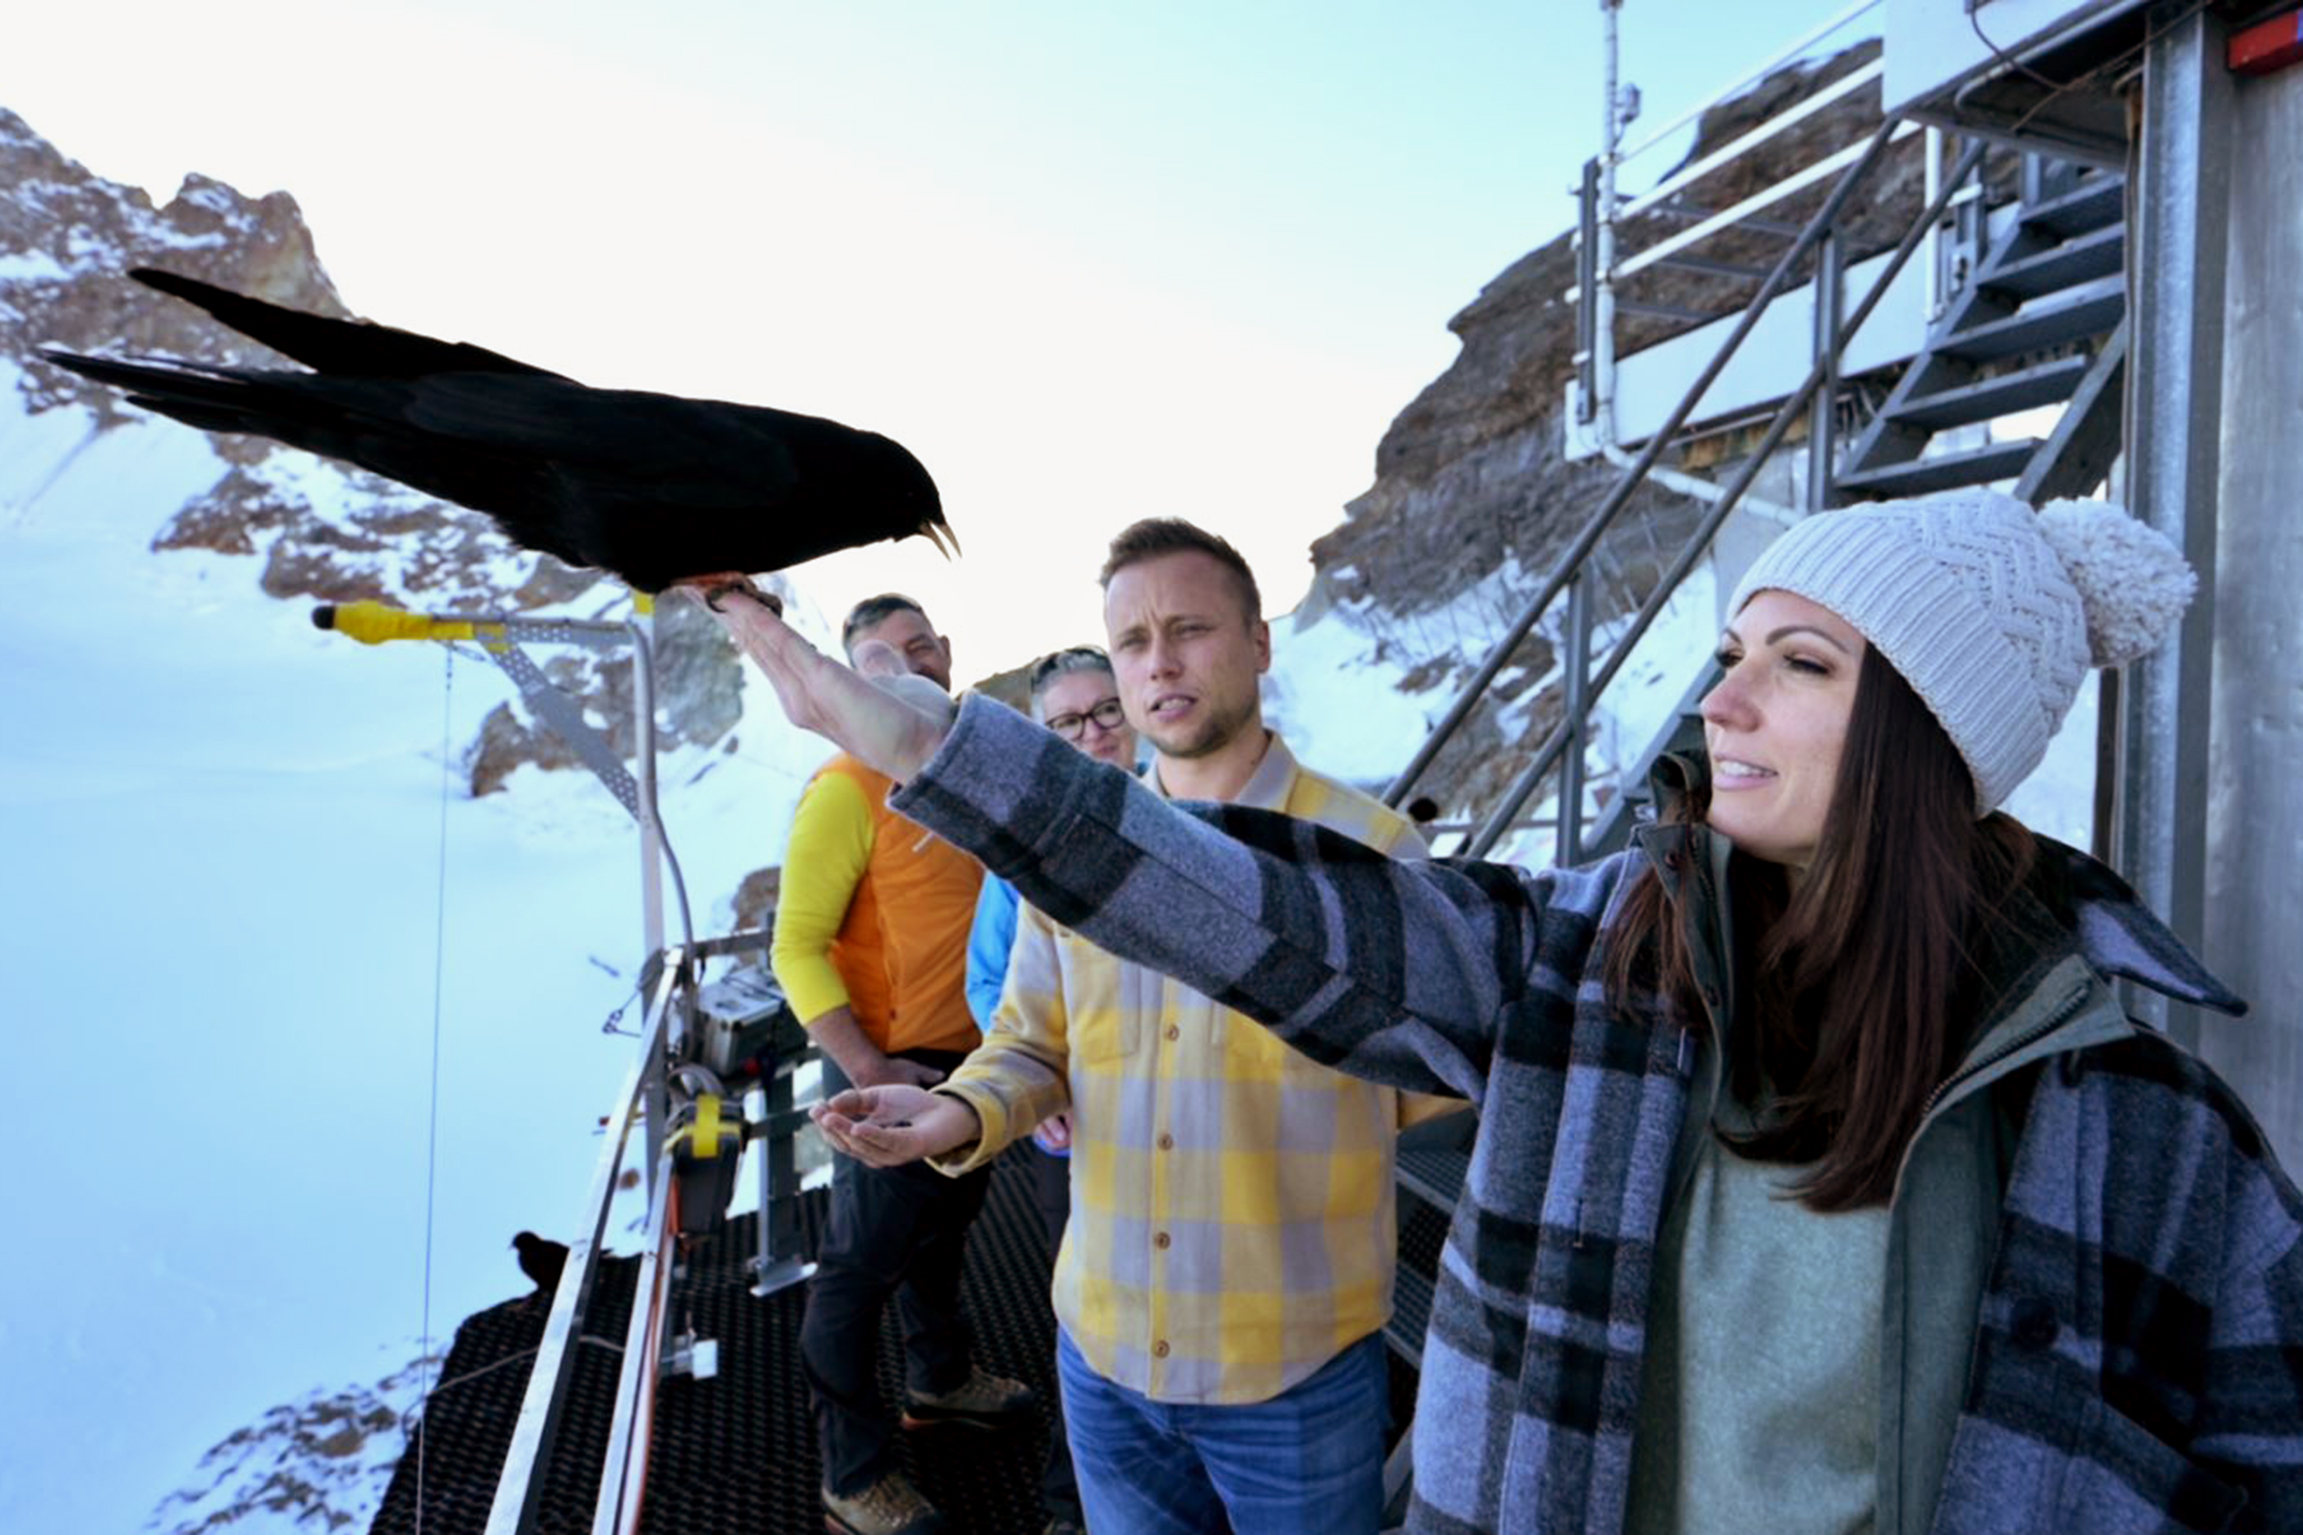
{"x":874,"y":611}
{"x":1157,"y":536}
{"x":1062,"y":663}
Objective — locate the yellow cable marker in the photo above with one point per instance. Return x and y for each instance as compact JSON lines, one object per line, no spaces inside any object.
{"x":704,"y":1133}
{"x":378,"y":623}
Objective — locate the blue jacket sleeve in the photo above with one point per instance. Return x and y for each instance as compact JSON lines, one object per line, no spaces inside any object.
{"x":990,"y":941}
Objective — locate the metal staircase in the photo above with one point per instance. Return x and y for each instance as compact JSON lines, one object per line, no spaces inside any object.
{"x":2054,"y":284}
{"x":2039,"y":320}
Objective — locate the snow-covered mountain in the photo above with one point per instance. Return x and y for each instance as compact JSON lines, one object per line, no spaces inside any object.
{"x":244,"y":860}
{"x":251,"y":864}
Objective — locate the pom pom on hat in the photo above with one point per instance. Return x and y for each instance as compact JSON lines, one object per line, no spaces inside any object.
{"x":1992,"y":612}
{"x":2133,"y":583}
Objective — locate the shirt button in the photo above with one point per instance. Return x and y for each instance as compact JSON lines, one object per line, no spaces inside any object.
{"x":1160,"y":1241}
{"x":1159,"y":1349}
{"x":1173,"y":1032}
{"x":1167,"y":1143}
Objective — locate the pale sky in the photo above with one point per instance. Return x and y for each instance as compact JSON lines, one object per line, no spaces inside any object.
{"x":1090,"y":262}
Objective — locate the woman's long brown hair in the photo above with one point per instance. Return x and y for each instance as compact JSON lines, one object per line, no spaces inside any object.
{"x":1860,"y":989}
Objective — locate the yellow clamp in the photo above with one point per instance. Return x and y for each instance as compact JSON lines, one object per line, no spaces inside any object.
{"x":375,"y":623}
{"x":702,"y":1133}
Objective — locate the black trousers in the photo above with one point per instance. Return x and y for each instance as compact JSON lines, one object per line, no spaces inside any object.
{"x":1052,"y":1197}
{"x":892,"y":1232}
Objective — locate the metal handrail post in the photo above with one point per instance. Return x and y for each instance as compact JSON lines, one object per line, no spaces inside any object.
{"x":1631,"y":478}
{"x":1577,"y":722}
{"x":519,"y":1486}
{"x":1586,"y":288}
{"x":1931,"y":265}
{"x":1602,"y":296}
{"x":644,"y":772}
{"x":1497,"y":824}
{"x":623,"y":1468}
{"x":1829,"y":290}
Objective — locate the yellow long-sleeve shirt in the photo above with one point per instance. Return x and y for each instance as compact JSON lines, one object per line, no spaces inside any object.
{"x":873,"y":915}
{"x":1232,"y":1222}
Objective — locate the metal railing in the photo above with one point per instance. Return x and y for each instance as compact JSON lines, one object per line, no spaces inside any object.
{"x":1571,"y":572}
{"x":657,"y":1097}
{"x":519,"y":1490}
{"x":1600,"y":270}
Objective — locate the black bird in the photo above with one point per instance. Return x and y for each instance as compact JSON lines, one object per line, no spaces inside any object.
{"x":654,"y":487}
{"x":541,"y":1259}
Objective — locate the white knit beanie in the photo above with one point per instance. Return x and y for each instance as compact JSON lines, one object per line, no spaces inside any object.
{"x":1992,"y":612}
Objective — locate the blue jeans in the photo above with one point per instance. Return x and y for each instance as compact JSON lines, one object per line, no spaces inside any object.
{"x":1310,"y":1459}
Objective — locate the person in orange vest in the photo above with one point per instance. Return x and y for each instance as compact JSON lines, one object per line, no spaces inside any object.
{"x":870,"y":947}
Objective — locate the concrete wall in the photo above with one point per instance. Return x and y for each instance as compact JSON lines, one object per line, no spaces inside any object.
{"x":2254,"y":908}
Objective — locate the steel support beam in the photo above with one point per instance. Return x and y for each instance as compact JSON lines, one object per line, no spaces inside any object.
{"x":1830,"y":293}
{"x":2254,"y":900}
{"x":2182,"y":203}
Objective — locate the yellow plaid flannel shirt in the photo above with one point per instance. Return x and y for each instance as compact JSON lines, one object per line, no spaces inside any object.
{"x":1232,"y":1222}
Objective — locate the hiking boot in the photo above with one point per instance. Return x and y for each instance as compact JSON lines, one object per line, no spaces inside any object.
{"x":890,"y":1506}
{"x":984,"y":1401}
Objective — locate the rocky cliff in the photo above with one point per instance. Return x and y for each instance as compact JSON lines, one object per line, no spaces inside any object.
{"x":320,"y":530}
{"x":1472,"y":492}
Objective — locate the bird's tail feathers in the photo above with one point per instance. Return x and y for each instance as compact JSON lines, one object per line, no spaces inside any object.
{"x":157,"y":383}
{"x":331,"y":345}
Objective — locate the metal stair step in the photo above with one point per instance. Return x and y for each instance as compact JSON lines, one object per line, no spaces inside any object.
{"x":2088,"y":310}
{"x":1991,"y":398}
{"x":2097,"y":201}
{"x":1925,"y":476}
{"x":2098,"y":253}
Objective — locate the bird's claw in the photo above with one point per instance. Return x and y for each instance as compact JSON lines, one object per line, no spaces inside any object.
{"x":712,"y":590}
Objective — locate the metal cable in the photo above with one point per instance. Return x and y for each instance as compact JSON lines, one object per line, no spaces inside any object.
{"x":432,"y":1112}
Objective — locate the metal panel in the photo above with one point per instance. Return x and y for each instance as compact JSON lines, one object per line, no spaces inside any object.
{"x":2182,"y":205}
{"x":2254,"y":881}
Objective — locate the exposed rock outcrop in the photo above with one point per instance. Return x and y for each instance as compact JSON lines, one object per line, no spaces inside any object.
{"x":1473,"y":494}
{"x":320,"y":1464}
{"x":321,"y":530}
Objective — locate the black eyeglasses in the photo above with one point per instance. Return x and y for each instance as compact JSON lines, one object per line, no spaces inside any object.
{"x":1108,"y":716}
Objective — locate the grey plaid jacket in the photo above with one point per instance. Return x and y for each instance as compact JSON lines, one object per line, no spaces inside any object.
{"x":2138,"y":1358}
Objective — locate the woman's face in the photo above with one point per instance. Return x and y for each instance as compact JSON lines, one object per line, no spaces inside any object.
{"x":1074,"y":697}
{"x":1776,"y":724}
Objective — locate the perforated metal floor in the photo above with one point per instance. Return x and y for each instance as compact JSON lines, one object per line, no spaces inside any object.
{"x":735,"y":1455}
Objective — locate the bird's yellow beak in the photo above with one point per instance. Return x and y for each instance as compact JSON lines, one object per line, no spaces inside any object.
{"x":938,"y":531}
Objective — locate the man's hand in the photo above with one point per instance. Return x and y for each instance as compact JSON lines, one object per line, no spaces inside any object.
{"x":1055,"y":1133}
{"x":893,"y":732}
{"x":889,"y":1126}
{"x":895,"y":1071}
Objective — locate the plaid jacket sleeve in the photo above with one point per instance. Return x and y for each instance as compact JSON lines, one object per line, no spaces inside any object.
{"x":1300,"y":928}
{"x":2139,"y":1353}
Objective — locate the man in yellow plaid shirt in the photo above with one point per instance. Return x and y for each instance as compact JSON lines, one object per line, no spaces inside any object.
{"x":1228,"y":1269}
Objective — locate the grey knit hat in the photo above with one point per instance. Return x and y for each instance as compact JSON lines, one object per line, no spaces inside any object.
{"x":1991,"y":611}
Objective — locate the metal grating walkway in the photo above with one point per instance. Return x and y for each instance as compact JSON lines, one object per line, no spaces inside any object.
{"x":736,"y":1453}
